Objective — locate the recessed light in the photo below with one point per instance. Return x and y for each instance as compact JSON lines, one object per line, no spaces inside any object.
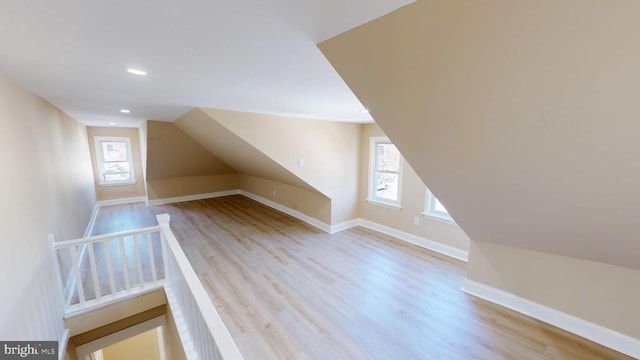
{"x":136,"y":72}
{"x":112,"y":124}
{"x":364,"y":111}
{"x":125,"y":111}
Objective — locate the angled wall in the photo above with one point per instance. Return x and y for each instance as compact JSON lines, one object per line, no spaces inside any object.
{"x":179,"y":166}
{"x":521,"y":117}
{"x":330,"y":151}
{"x":258,"y":173}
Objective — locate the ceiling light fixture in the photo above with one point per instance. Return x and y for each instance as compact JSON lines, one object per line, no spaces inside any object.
{"x":112,"y":124}
{"x":136,"y":72}
{"x":125,"y":111}
{"x":364,"y":111}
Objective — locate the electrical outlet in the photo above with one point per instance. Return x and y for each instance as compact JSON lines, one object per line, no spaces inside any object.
{"x":301,"y":161}
{"x":416,"y":220}
{"x":274,"y":192}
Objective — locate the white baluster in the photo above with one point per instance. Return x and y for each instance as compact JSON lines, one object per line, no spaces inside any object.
{"x":94,"y":272}
{"x":76,"y":272}
{"x":107,"y":254}
{"x":123,"y":259}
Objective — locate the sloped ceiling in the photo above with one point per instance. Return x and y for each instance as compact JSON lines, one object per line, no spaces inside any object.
{"x":521,"y":117}
{"x":233,"y":150}
{"x":252,"y":55}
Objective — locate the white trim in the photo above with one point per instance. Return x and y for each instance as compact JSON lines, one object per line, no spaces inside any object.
{"x":97,"y":142}
{"x":588,"y":330}
{"x":110,"y":299}
{"x":344,"y":226}
{"x":391,"y":206}
{"x":129,"y":200}
{"x":417,"y":240}
{"x":373,"y":182}
{"x":62,"y":344}
{"x":296,"y":214}
{"x":192,"y":197}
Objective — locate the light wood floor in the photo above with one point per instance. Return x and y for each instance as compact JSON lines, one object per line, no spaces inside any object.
{"x":288,"y":291}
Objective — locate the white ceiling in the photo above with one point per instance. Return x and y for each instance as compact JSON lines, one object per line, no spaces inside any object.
{"x":251,"y":55}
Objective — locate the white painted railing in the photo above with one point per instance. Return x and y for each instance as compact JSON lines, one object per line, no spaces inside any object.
{"x":118,"y":265}
{"x":203,"y":334}
{"x":130,"y":263}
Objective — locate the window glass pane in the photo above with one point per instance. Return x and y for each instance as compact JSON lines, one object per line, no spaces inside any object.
{"x":437,"y":206}
{"x":388,"y":158}
{"x":116,"y":167}
{"x":117,"y":177}
{"x":387,"y":186}
{"x":114,"y":151}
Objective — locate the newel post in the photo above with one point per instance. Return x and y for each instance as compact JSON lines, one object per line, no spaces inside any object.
{"x":163,"y":220}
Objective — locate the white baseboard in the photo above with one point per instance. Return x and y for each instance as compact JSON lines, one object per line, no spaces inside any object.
{"x":588,"y":330}
{"x":417,"y":240}
{"x":192,"y":197}
{"x":296,"y":214}
{"x":121,"y":201}
{"x":344,"y":226}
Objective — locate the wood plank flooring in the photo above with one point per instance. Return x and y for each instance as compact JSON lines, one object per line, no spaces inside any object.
{"x":289,"y":291}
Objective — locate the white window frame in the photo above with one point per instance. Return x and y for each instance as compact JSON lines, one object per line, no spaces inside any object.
{"x":373,"y":198}
{"x":430,"y":210}
{"x":98,"y":140}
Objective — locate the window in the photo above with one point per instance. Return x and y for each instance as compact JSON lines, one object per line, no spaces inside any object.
{"x":385,"y":172}
{"x":434,"y":208}
{"x":114,"y":160}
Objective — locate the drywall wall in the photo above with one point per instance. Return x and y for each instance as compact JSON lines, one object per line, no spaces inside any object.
{"x":46,"y":187}
{"x":190,"y":185}
{"x":172,"y":153}
{"x":141,"y":346}
{"x":330,"y":152}
{"x":307,"y":202}
{"x":142,"y":135}
{"x":521,"y":117}
{"x":412,"y":203}
{"x":112,"y":192}
{"x":600,"y":293}
{"x":179,"y":166}
{"x":234,"y":151}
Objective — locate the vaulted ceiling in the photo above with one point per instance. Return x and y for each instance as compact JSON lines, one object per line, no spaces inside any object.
{"x":249,"y":55}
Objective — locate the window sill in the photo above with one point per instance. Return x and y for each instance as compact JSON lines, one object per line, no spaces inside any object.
{"x":439,"y":218}
{"x":385,"y":204}
{"x":118,"y":183}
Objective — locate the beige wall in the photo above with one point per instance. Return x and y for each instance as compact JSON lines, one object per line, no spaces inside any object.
{"x":179,"y":166}
{"x":310,"y":203}
{"x":331,"y":152}
{"x":142,"y":135}
{"x":412,"y":203}
{"x":521,"y":117}
{"x":190,"y":185}
{"x":600,"y":293}
{"x":118,"y":191}
{"x":172,"y":153}
{"x":142,"y":346}
{"x":46,"y":187}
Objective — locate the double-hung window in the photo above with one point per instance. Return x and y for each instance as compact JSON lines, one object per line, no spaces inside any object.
{"x":115,"y":165}
{"x":434,"y":208}
{"x":385,"y":172}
